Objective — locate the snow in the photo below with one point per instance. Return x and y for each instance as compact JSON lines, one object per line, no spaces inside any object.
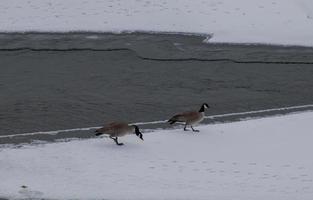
{"x":268,"y":158}
{"x":283,"y":22}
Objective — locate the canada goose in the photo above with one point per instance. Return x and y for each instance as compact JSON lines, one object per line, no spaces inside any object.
{"x":190,"y":118}
{"x":118,"y":129}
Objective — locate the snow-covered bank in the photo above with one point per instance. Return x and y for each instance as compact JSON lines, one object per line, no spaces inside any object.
{"x":266,"y":158}
{"x":286,"y":22}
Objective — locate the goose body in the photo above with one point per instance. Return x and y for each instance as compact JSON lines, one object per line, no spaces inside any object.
{"x":190,"y":118}
{"x":118,"y":129}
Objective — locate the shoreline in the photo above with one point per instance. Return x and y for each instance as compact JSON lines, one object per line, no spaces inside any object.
{"x":205,"y":36}
{"x":148,"y":127}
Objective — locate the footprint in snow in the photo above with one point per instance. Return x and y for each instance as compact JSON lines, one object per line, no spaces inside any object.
{"x":307,"y":180}
{"x":300,"y":168}
{"x":30,"y":194}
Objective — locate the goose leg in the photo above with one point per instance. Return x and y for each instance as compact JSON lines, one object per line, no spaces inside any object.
{"x":116,"y":141}
{"x":194,"y":130}
{"x":185,"y":128}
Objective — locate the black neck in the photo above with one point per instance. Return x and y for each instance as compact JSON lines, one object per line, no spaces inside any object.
{"x":136,"y":129}
{"x":201,"y":109}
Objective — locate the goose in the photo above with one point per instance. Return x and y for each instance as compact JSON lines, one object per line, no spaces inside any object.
{"x":118,"y":129}
{"x":190,"y":118}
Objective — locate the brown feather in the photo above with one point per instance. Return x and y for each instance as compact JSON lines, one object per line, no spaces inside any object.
{"x":189,"y":117}
{"x":115,"y":129}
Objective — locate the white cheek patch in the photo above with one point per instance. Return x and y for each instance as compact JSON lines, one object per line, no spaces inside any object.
{"x":205,"y":106}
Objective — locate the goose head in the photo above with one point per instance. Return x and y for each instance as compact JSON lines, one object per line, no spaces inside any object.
{"x":137,"y":132}
{"x":203,"y":107}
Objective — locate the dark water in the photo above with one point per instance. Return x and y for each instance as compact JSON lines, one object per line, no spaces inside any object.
{"x":60,"y":81}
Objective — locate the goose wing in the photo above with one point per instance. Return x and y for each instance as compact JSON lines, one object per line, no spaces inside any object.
{"x":113,"y":127}
{"x":185,"y":116}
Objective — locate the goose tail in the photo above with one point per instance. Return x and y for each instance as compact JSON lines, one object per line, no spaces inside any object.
{"x":98,"y":133}
{"x":173,"y":119}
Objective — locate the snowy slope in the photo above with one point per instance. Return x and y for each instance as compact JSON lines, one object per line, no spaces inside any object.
{"x":258,"y":159}
{"x":287,"y":22}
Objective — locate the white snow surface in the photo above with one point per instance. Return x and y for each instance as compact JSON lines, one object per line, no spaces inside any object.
{"x":268,"y":158}
{"x":283,"y":22}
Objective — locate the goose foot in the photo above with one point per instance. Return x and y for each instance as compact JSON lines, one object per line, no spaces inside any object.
{"x":185,"y":128}
{"x":194,"y":130}
{"x":116,"y":141}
